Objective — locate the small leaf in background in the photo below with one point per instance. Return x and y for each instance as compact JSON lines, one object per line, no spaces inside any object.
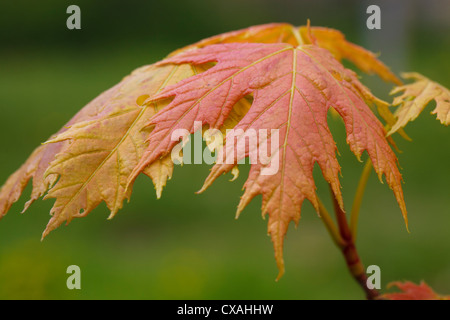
{"x":412,"y":291}
{"x":416,"y":96}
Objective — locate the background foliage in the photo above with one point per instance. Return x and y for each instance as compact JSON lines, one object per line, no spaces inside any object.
{"x":189,"y":246}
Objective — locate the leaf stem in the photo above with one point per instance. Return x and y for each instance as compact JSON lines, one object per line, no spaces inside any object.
{"x":350,"y":253}
{"x":297,"y":36}
{"x":330,"y":225}
{"x":354,"y":214}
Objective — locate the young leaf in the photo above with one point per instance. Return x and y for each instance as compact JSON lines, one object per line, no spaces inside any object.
{"x":415,"y":97}
{"x":412,"y":291}
{"x":91,"y":159}
{"x":92,"y":156}
{"x":103,"y":105}
{"x":293,"y":88}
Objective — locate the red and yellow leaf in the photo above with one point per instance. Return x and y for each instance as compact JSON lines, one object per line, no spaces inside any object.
{"x":293,"y":88}
{"x":292,"y":77}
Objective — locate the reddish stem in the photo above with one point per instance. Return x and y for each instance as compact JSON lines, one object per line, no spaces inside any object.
{"x":350,"y":253}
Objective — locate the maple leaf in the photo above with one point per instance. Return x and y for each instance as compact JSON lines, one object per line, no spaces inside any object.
{"x":99,"y":153}
{"x":90,"y":157}
{"x":107,"y":105}
{"x":412,"y":291}
{"x":293,"y":87}
{"x":416,"y":96}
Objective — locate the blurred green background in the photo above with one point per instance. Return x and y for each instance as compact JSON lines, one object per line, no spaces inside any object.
{"x":187,"y":246}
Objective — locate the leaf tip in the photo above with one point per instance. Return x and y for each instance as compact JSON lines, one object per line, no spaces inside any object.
{"x":111,"y":215}
{"x":44,"y":234}
{"x":202,"y":189}
{"x":235,"y":173}
{"x":281,"y":271}
{"x":158,"y":192}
